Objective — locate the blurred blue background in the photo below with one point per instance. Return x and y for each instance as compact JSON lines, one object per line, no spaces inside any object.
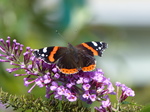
{"x":124,"y":25}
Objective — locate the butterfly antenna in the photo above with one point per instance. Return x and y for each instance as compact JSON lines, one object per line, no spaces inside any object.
{"x":61,"y":36}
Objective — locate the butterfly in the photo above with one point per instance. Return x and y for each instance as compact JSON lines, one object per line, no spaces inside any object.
{"x":72,"y":59}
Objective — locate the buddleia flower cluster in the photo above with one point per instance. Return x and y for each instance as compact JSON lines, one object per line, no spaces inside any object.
{"x":86,"y":86}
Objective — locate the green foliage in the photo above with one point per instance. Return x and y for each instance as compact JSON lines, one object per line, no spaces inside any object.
{"x":24,"y":103}
{"x":146,"y":108}
{"x":127,"y":107}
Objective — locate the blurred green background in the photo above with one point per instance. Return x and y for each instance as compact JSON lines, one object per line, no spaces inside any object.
{"x":124,"y":25}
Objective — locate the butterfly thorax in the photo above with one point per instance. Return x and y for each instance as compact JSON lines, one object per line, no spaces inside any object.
{"x":73,"y":52}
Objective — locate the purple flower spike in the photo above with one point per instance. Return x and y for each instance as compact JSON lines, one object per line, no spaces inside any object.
{"x":125,"y":91}
{"x":86,"y":86}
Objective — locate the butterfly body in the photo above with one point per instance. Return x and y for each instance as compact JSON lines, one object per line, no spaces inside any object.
{"x":71,"y":59}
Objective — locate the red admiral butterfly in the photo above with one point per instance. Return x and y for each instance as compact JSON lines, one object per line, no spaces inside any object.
{"x":72,"y":59}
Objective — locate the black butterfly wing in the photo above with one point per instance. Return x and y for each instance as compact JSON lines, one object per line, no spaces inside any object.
{"x":86,"y":54}
{"x":93,"y":48}
{"x":64,"y":59}
{"x":86,"y":61}
{"x":50,"y":54}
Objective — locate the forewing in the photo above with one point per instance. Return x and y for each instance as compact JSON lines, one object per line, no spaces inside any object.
{"x":93,"y":48}
{"x":50,"y":54}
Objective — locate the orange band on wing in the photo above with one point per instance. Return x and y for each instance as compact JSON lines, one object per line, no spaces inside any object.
{"x":90,"y":48}
{"x":68,"y":71}
{"x":52,"y":53}
{"x":89,"y":68}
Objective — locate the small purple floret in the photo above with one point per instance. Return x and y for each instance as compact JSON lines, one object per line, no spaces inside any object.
{"x":72,"y":98}
{"x":86,"y":86}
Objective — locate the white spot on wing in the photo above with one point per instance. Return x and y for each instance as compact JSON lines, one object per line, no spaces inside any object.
{"x":45,"y":49}
{"x":42,"y":55}
{"x":94,"y":43}
{"x":99,"y":48}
